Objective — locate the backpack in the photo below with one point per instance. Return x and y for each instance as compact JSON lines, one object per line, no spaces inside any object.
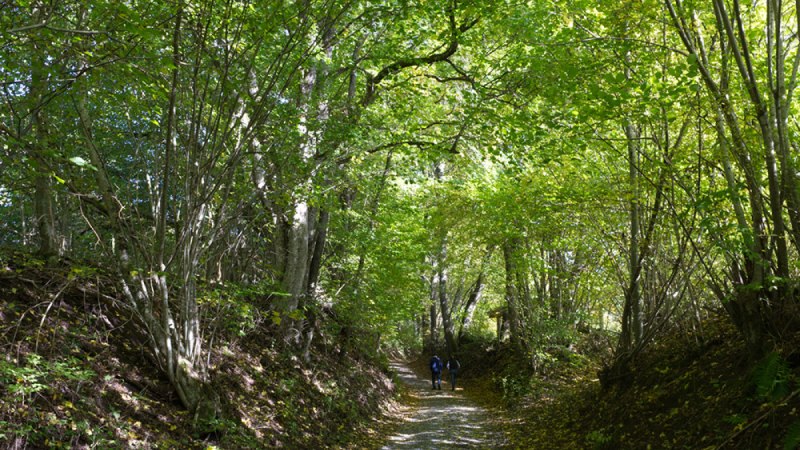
{"x":436,"y":364}
{"x":453,"y":364}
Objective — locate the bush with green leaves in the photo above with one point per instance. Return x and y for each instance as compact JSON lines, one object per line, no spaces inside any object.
{"x":514,"y":387}
{"x":598,"y":439}
{"x":36,"y":374}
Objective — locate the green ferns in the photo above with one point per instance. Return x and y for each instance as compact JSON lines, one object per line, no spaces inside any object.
{"x":792,"y":439}
{"x":771,"y":377}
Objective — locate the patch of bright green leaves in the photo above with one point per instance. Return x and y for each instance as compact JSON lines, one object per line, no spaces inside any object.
{"x":598,"y":439}
{"x":38,"y":374}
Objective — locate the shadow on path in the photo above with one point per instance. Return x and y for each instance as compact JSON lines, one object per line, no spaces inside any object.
{"x":440,"y":419}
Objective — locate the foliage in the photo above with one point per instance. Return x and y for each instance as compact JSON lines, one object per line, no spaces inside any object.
{"x":598,"y":439}
{"x":36,"y":375}
{"x":771,"y":377}
{"x":792,"y":439}
{"x":233,"y":307}
{"x":513,"y":387}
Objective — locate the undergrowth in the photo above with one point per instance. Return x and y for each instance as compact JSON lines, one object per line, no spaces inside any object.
{"x":77,"y":374}
{"x":685,"y":393}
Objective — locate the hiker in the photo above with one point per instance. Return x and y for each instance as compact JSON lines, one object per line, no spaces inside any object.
{"x":452,"y":369}
{"x":436,"y":372}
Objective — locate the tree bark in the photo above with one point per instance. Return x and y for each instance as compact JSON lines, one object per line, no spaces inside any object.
{"x":44,"y":214}
{"x":472,"y":304}
{"x":433,"y":327}
{"x":444,"y":305}
{"x":512,"y":292}
{"x":631,"y":315}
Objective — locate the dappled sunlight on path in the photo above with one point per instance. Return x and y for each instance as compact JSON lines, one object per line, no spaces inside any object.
{"x":439,"y":419}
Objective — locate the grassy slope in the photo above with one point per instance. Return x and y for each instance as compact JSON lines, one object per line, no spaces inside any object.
{"x":75,"y":374}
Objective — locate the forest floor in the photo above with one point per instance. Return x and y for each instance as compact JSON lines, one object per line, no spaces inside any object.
{"x":440,"y":419}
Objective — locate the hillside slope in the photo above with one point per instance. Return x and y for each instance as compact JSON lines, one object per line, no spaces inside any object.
{"x":688,"y":392}
{"x":75,"y":374}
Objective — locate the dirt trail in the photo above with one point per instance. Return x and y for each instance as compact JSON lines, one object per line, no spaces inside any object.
{"x":440,"y":419}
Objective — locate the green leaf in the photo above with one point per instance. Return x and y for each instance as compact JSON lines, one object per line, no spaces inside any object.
{"x":82,"y":163}
{"x":78,"y":161}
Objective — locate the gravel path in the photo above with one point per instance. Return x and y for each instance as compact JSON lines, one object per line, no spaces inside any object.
{"x":439,"y":419}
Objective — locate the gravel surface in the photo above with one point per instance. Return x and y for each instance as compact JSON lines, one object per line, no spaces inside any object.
{"x":440,"y":419}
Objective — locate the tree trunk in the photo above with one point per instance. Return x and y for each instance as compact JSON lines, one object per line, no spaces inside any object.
{"x":300,"y":250}
{"x":433,"y":328}
{"x":172,"y":324}
{"x":444,"y":306}
{"x":45,"y":217}
{"x":472,"y":304}
{"x":43,"y":193}
{"x":631,"y":314}
{"x":318,"y":249}
{"x":296,"y":271}
{"x":752,"y":305}
{"x":512,"y":293}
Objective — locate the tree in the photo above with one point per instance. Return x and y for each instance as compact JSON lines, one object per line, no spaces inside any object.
{"x":760,"y":272}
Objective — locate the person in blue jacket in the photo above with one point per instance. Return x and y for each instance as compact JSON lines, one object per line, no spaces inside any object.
{"x":436,"y":372}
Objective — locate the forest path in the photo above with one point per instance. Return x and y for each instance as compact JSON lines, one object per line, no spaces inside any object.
{"x":440,"y":419}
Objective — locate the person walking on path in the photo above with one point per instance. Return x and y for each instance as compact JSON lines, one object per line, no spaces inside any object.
{"x":452,"y":369}
{"x":436,"y":372}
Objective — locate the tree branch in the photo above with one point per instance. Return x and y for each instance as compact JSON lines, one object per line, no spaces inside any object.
{"x":397,"y":66}
{"x":45,"y":25}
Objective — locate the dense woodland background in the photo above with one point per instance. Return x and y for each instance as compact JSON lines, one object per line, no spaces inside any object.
{"x":555,"y":181}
